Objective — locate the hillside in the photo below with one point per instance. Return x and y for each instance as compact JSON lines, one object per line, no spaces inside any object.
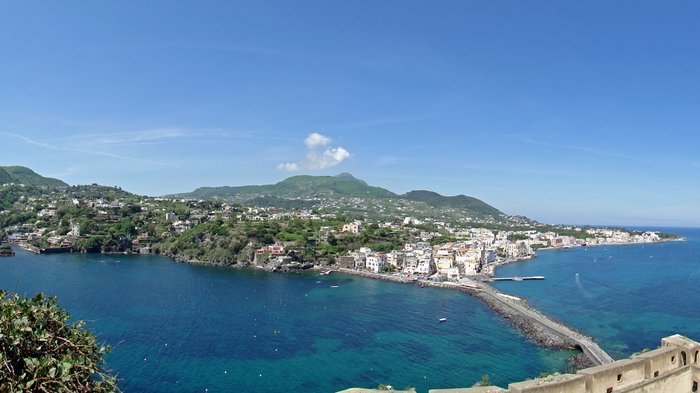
{"x":478,"y":207}
{"x":332,"y":192}
{"x":5,"y":177}
{"x":343,"y":185}
{"x":24,"y":175}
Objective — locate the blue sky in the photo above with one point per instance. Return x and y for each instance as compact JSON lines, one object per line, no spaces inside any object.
{"x":567,"y":112}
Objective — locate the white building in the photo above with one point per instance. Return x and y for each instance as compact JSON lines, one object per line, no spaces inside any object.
{"x":375,"y":261}
{"x":425,"y":266}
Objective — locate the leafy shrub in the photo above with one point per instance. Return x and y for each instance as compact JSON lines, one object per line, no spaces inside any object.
{"x":41,"y":352}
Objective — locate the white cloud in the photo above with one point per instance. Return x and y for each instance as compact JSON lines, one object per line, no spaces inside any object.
{"x":288,"y":166}
{"x":316,"y":157}
{"x":315,"y":140}
{"x":327,"y":159}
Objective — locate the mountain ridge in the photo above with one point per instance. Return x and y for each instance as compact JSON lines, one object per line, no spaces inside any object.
{"x":344,"y":185}
{"x":24,"y":175}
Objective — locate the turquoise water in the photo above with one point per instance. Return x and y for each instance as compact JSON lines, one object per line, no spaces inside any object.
{"x":184,"y":328}
{"x":626,"y":296}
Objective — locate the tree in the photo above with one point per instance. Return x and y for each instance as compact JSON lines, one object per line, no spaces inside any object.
{"x":41,"y":352}
{"x":485,"y":381}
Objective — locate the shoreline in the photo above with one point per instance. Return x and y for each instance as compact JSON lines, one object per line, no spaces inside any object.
{"x":541,"y":329}
{"x":492,"y":267}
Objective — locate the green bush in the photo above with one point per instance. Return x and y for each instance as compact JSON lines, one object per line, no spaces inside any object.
{"x":41,"y":352}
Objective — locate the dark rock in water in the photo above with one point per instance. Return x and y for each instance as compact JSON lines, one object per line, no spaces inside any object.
{"x":6,"y":251}
{"x":535,"y":331}
{"x":579,"y":362}
{"x":293,"y":267}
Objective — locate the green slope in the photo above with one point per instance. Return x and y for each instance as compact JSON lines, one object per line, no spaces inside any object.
{"x":5,"y":177}
{"x":286,"y":192}
{"x":343,"y":185}
{"x":478,"y":207}
{"x":27,"y":176}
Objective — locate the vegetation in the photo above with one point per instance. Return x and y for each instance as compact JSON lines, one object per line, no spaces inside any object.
{"x":97,"y":218}
{"x":517,"y":236}
{"x":41,"y":352}
{"x":296,"y":187}
{"x":484,"y":381}
{"x":290,"y":193}
{"x":478,"y":208}
{"x":5,"y":177}
{"x":24,"y":175}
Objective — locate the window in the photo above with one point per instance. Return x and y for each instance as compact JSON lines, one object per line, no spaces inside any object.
{"x":695,"y":386}
{"x":619,"y":377}
{"x":609,"y":390}
{"x":656,"y":373}
{"x":673,"y":359}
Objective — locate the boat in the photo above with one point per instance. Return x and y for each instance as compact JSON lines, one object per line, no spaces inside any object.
{"x":334,"y":286}
{"x":442,"y":320}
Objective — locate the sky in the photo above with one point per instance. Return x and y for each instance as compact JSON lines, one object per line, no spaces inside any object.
{"x":564,"y":111}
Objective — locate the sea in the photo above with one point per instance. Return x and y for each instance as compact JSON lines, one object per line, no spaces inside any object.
{"x":627,"y":297}
{"x":186,"y":328}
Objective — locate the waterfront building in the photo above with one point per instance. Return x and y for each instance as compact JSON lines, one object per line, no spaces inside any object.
{"x":375,"y":261}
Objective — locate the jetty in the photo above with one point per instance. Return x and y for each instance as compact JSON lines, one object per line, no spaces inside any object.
{"x":516,"y":278}
{"x":540,"y":327}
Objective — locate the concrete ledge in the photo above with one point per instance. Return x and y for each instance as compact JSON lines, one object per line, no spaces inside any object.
{"x":570,"y":383}
{"x":363,"y":390}
{"x":479,"y":389}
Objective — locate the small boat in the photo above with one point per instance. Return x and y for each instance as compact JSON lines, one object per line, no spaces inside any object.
{"x":334,"y":286}
{"x":442,"y":320}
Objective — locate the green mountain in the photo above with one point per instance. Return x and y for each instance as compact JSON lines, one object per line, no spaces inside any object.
{"x":307,"y":191}
{"x":343,"y":185}
{"x":6,"y":177}
{"x":24,"y":175}
{"x":477,"y":207}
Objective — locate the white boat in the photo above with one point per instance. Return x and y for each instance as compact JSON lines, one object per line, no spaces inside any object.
{"x":334,"y":286}
{"x":442,"y":319}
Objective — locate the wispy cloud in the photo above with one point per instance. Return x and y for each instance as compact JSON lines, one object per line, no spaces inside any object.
{"x":319,"y":155}
{"x":142,"y":137}
{"x":50,"y":146}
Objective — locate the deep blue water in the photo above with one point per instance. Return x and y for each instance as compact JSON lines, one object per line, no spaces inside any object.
{"x":626,"y":296}
{"x":184,"y":328}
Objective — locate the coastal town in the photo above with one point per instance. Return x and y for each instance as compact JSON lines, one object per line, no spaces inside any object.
{"x":95,"y":218}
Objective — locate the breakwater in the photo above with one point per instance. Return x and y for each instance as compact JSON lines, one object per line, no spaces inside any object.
{"x":538,"y":327}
